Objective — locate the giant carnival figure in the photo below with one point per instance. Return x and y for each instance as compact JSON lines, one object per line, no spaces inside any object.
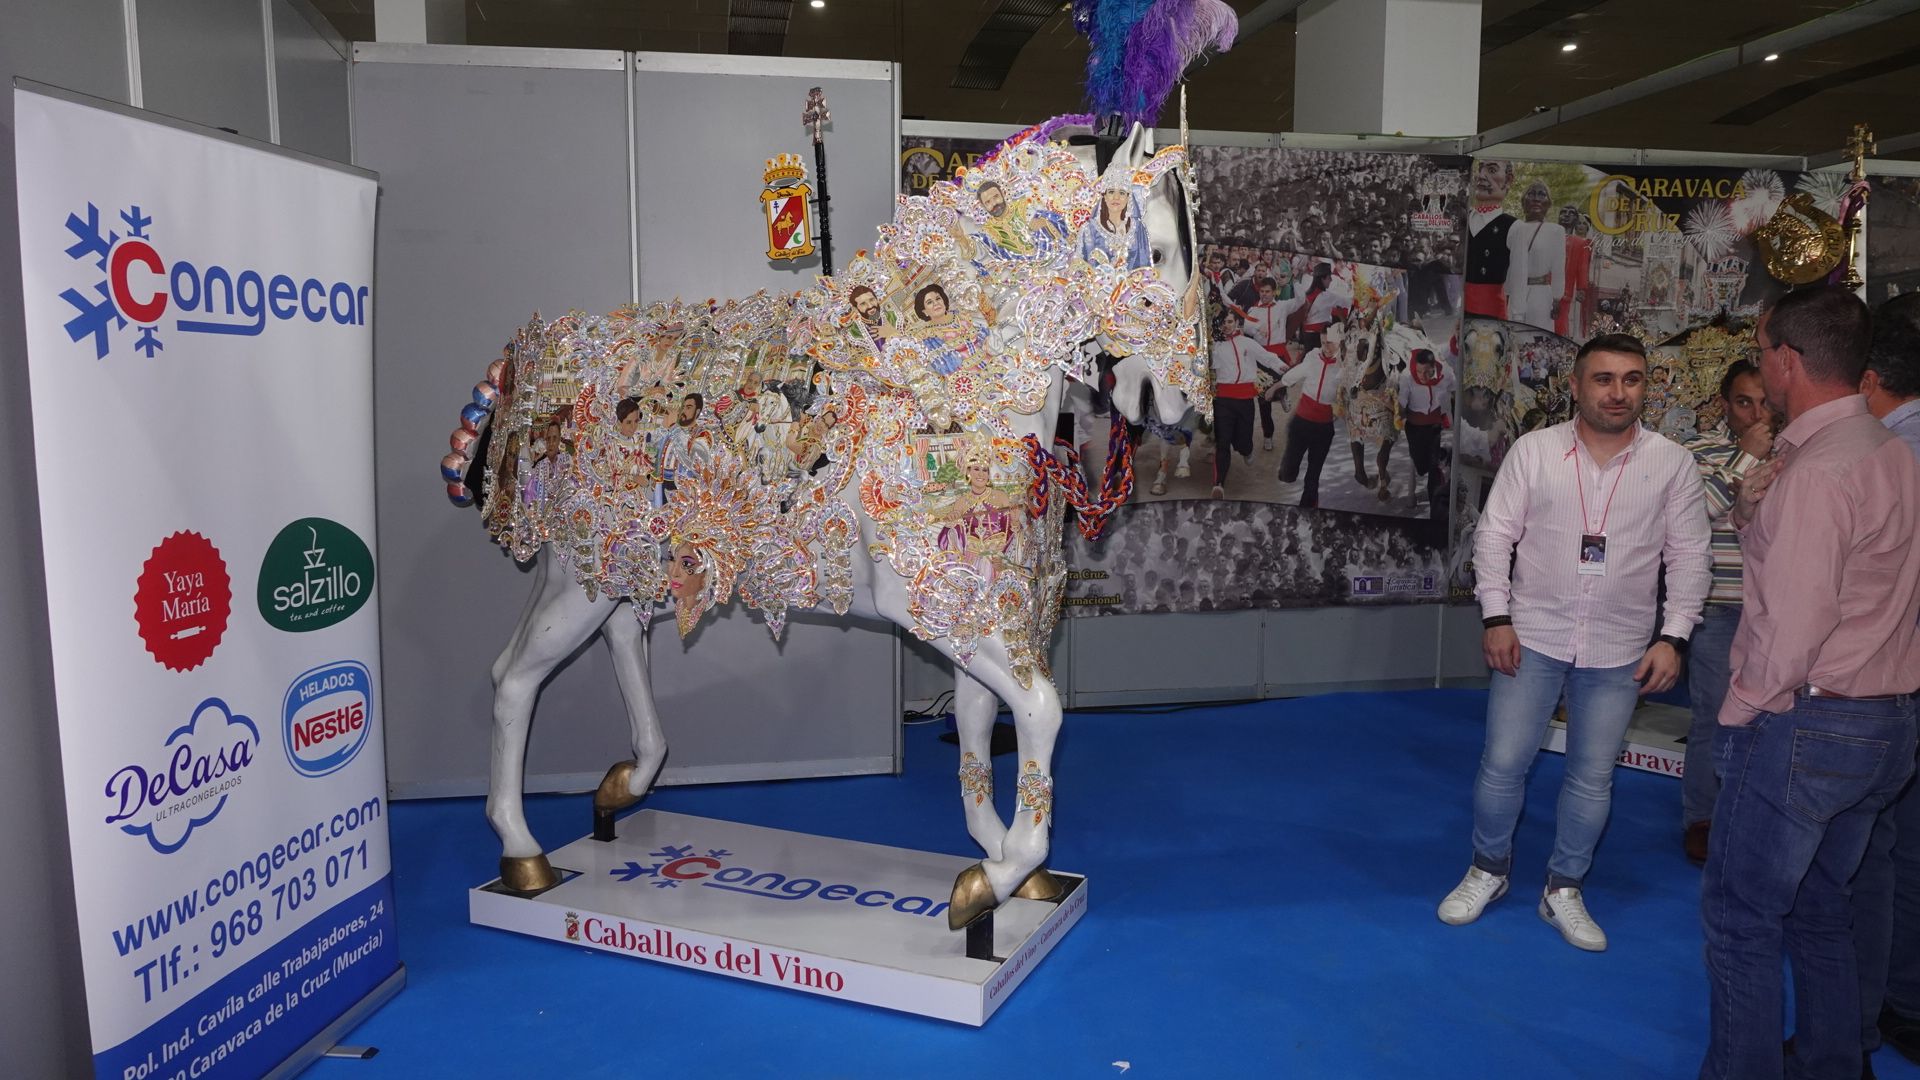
{"x":876,"y":445}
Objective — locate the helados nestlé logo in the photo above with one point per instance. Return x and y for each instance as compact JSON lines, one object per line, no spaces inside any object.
{"x":316,"y":573}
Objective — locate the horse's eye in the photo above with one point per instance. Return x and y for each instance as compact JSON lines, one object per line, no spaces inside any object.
{"x":1158,"y":255}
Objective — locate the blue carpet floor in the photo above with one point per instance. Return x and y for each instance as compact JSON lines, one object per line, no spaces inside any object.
{"x":1263,"y":879}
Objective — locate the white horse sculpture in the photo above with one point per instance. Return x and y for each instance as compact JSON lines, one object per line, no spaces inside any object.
{"x":926,"y":379}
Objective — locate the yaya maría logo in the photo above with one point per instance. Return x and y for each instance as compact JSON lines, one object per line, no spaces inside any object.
{"x":181,"y":601}
{"x":135,"y":287}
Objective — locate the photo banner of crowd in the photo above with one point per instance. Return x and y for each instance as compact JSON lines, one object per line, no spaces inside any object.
{"x":1558,"y":252}
{"x":1333,"y":278}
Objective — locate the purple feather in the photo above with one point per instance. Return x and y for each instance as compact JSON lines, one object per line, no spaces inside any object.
{"x":1138,"y":49}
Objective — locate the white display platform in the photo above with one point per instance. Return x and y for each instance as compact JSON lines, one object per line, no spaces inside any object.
{"x":1656,"y":739}
{"x":846,"y":920}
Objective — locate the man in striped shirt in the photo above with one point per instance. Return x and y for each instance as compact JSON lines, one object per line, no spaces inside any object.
{"x":1566,"y":557}
{"x":1724,"y":456}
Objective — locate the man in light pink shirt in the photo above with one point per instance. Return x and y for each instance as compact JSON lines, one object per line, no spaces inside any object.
{"x":1817,"y":731}
{"x":1586,"y":513}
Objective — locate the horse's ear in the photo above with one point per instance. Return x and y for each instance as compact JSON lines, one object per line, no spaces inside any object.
{"x":1138,"y":147}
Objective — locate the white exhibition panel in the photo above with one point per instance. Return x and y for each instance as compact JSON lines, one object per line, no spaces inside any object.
{"x":519,"y":203}
{"x":43,"y":1011}
{"x":836,"y":918}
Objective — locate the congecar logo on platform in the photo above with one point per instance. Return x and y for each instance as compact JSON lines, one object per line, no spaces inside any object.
{"x":678,"y":865}
{"x":327,"y":716}
{"x":136,"y":286}
{"x":185,"y":785}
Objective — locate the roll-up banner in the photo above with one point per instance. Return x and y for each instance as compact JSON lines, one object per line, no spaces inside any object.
{"x":198,"y":323}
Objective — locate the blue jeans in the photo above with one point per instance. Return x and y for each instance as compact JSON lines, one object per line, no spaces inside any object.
{"x":1886,"y":916}
{"x":1600,"y":703}
{"x":1798,"y":797}
{"x":1709,"y":665}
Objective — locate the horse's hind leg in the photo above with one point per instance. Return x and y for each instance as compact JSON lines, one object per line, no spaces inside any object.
{"x":627,"y":781}
{"x":974,"y":710}
{"x":554,"y":626}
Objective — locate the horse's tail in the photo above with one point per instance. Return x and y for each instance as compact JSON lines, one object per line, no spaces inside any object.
{"x":465,"y":467}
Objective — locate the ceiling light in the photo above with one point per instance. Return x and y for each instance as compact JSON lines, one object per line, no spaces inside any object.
{"x":1569,"y":47}
{"x":1771,"y":56}
{"x":819,"y":3}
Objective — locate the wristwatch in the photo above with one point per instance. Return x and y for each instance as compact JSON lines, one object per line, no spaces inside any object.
{"x":1679,"y":643}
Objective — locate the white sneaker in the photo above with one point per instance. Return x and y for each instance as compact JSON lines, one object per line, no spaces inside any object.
{"x":1471,"y":897}
{"x":1267,"y":444}
{"x":1568,"y":913}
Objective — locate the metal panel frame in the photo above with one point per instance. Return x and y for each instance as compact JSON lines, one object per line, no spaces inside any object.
{"x":387,"y":52}
{"x":784,"y":67}
{"x":136,"y":113}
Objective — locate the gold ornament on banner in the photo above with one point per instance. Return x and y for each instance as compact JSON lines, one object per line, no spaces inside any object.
{"x":1802,"y":243}
{"x":784,"y":202}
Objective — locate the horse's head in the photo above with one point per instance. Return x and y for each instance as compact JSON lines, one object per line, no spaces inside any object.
{"x":1168,"y":303}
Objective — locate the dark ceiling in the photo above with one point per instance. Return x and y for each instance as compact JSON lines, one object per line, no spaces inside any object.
{"x":1018,"y":61}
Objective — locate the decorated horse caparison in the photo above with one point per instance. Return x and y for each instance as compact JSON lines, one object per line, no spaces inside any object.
{"x":877,"y":445}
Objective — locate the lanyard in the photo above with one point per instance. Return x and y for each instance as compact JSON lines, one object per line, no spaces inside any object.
{"x":1582,"y":489}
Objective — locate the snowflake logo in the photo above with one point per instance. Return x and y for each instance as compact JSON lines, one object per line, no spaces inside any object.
{"x":95,"y":318}
{"x":630,"y":871}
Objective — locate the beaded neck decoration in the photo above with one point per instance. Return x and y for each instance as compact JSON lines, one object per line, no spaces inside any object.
{"x":699,"y":450}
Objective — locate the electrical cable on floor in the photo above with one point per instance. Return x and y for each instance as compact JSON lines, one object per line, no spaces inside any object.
{"x":935,"y":711}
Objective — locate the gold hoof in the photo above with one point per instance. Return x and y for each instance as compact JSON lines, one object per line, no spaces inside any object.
{"x":528,"y":873}
{"x":972,"y":898}
{"x":1040,"y":885}
{"x":613,"y":794}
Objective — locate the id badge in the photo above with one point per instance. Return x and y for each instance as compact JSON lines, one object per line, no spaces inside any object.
{"x":1593,"y":554}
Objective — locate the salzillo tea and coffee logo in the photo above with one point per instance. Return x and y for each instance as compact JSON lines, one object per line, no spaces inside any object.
{"x":316,"y":573}
{"x":186,"y":786}
{"x":327,"y":716}
{"x":134,"y":284}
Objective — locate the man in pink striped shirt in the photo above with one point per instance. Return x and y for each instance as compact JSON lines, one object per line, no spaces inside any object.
{"x":1585,"y":513}
{"x":1817,"y":730}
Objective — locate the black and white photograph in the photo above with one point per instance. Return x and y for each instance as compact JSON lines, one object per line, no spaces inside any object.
{"x":1227,"y":556}
{"x":1401,"y":210}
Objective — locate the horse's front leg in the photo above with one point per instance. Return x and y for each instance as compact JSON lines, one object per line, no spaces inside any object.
{"x":555,"y":624}
{"x":974,"y":709}
{"x":627,"y":781}
{"x":1020,"y":868}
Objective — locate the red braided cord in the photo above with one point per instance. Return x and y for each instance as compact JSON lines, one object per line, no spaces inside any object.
{"x":1116,"y":480}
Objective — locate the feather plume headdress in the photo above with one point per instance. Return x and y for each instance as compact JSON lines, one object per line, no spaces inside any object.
{"x":1137,"y":50}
